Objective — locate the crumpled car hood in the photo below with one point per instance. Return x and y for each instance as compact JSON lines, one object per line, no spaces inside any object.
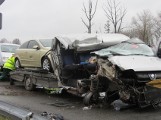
{"x":137,"y":63}
{"x":88,"y":42}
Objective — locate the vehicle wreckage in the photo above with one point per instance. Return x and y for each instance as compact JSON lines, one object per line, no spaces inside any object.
{"x":126,"y":70}
{"x":131,"y":72}
{"x":88,"y":65}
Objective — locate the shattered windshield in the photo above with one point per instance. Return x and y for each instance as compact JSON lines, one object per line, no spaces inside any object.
{"x":130,"y":47}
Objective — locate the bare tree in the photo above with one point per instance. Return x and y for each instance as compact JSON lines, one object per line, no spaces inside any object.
{"x":107,"y":26}
{"x":115,"y":14}
{"x":89,"y":13}
{"x":157,"y":28}
{"x":3,"y":40}
{"x":16,"y":41}
{"x":130,"y":32}
{"x":144,"y":26}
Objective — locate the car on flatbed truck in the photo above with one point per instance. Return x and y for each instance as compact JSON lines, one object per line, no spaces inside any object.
{"x":32,"y":54}
{"x":71,"y":62}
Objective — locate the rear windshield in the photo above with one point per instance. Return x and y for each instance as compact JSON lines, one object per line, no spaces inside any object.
{"x":9,"y":48}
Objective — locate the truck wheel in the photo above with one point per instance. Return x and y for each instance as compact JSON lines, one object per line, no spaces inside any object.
{"x":29,"y":83}
{"x":46,"y":64}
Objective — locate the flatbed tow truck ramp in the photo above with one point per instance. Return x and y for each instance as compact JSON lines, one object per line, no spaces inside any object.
{"x":33,"y":78}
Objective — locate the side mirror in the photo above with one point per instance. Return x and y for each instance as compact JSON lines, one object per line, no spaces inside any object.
{"x":36,"y":47}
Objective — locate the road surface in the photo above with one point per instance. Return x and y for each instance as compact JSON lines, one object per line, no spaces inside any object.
{"x":69,"y":106}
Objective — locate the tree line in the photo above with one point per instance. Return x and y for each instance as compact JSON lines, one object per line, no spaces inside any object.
{"x":14,"y":41}
{"x":144,"y":25}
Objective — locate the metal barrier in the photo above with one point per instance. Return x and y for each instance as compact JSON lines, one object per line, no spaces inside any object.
{"x":10,"y":112}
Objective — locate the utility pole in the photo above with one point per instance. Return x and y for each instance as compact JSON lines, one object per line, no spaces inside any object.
{"x":1,"y":1}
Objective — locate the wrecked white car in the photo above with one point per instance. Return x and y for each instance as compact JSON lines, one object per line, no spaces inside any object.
{"x":128,"y":71}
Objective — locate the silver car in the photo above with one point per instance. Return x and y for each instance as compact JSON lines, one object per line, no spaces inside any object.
{"x":6,"y":50}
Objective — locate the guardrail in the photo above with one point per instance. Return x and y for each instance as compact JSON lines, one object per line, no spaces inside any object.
{"x":10,"y":112}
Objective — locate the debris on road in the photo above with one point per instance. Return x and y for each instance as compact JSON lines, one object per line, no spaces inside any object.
{"x":119,"y":105}
{"x":87,"y":107}
{"x":44,"y":113}
{"x":59,"y":104}
{"x":53,"y":90}
{"x":52,"y":116}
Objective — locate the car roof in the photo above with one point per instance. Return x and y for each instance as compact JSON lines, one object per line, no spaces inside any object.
{"x":9,"y":44}
{"x":84,"y":42}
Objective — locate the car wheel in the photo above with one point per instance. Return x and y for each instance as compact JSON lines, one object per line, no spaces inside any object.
{"x":29,"y":83}
{"x":90,"y":98}
{"x":46,"y":64}
{"x":17,"y":64}
{"x":87,"y":100}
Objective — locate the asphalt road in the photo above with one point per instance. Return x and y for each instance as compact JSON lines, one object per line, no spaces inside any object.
{"x":69,"y":106}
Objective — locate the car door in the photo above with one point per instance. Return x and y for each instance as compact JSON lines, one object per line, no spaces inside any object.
{"x":33,"y":54}
{"x":21,"y":53}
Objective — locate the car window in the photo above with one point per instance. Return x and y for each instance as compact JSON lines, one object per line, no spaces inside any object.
{"x":32,"y":43}
{"x":46,"y":42}
{"x":24,"y":45}
{"x":9,"y":48}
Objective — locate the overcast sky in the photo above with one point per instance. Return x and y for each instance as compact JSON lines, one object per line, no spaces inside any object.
{"x":30,"y":19}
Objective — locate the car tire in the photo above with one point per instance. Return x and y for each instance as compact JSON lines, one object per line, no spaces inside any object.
{"x":46,"y":64}
{"x":28,"y":83}
{"x":87,"y":100}
{"x":17,"y":64}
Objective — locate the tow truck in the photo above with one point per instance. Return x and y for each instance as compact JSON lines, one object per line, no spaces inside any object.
{"x":73,"y":65}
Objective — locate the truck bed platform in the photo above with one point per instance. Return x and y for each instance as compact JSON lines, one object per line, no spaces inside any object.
{"x":38,"y":77}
